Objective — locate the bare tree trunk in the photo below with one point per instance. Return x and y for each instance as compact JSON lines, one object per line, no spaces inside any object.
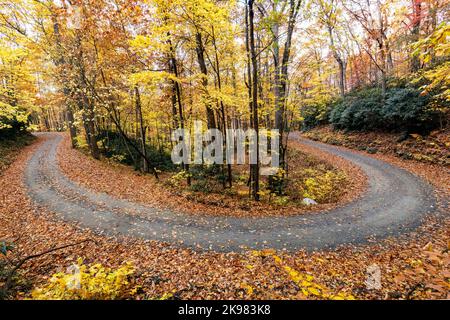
{"x":276,"y":78}
{"x":255,"y":182}
{"x":293,"y":12}
{"x":71,"y":125}
{"x":222,"y":108}
{"x":432,"y":13}
{"x":382,"y":46}
{"x":249,"y":90}
{"x":60,"y":62}
{"x":142,"y":128}
{"x":89,"y":126}
{"x":417,"y":13}
{"x":177,"y":88}
{"x":339,"y":61}
{"x":202,"y":64}
{"x":383,"y":71}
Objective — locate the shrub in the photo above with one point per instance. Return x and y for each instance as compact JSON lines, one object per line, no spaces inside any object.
{"x":89,"y":283}
{"x":115,"y":147}
{"x":206,"y":177}
{"x":81,"y":142}
{"x":403,"y":109}
{"x":322,"y":187}
{"x":178,"y":178}
{"x":10,"y":147}
{"x":314,"y":115}
{"x":277,"y":182}
{"x":12,"y":120}
{"x":281,"y":200}
{"x":201,"y":186}
{"x":407,"y":109}
{"x":358,"y":111}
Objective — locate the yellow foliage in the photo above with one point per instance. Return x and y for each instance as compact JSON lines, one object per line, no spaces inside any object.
{"x":438,"y":76}
{"x":248,"y":289}
{"x":165,"y":296}
{"x":322,"y":187}
{"x":94,"y":282}
{"x":305,"y":281}
{"x":178,"y":178}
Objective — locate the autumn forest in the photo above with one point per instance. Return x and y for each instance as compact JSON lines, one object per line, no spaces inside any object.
{"x":312,"y":139}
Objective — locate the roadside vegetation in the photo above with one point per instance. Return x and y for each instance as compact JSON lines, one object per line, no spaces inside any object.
{"x":120,"y":76}
{"x":13,"y":137}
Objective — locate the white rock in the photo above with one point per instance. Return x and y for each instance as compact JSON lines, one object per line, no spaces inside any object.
{"x":308,"y":201}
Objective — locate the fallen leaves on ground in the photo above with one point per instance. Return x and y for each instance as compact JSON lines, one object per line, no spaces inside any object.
{"x":123,"y":182}
{"x":431,"y":149}
{"x":414,"y":266}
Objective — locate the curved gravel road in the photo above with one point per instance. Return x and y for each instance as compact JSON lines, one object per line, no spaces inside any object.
{"x":395,"y":202}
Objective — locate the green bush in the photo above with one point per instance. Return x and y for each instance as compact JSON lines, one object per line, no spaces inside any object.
{"x":114,"y":146}
{"x":12,"y":121}
{"x":202,"y":186}
{"x":205,"y":177}
{"x":403,"y":109}
{"x":406,"y":108}
{"x":314,"y":115}
{"x":10,"y":147}
{"x":360,"y":110}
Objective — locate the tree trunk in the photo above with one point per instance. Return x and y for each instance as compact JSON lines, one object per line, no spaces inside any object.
{"x":417,"y":13}
{"x":202,"y":64}
{"x":177,"y":89}
{"x":339,"y":61}
{"x":293,"y":12}
{"x":222,"y":109}
{"x":72,"y":128}
{"x":89,"y":126}
{"x":86,"y":105}
{"x":255,"y":182}
{"x":60,"y":62}
{"x":142,"y":129}
{"x":276,"y":78}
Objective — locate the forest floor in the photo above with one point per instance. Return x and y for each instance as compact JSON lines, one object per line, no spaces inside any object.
{"x":10,"y":148}
{"x":414,"y":265}
{"x":433,"y":148}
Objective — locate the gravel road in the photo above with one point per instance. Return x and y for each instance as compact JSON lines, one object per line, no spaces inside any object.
{"x":396,"y":202}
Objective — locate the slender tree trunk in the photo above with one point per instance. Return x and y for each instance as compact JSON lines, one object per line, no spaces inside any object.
{"x":281,"y":125}
{"x":85,"y":103}
{"x":249,"y":88}
{"x":417,"y":17}
{"x":177,"y":89}
{"x":432,"y":13}
{"x":222,"y":108}
{"x":276,"y":78}
{"x":60,"y":62}
{"x":89,"y":125}
{"x":341,"y":66}
{"x":142,"y":129}
{"x":382,"y":47}
{"x":255,"y":182}
{"x":71,"y":125}
{"x":383,"y":72}
{"x":339,"y":61}
{"x":202,"y":64}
